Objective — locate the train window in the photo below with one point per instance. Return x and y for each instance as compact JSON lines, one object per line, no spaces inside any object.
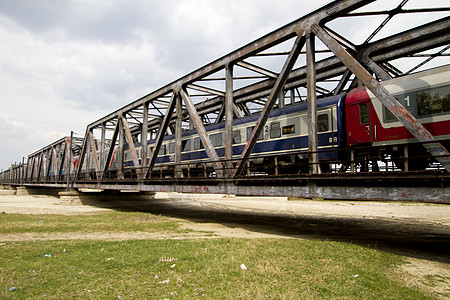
{"x":275,"y":130}
{"x":236,"y":137}
{"x":162,"y":150}
{"x":388,"y":116}
{"x":186,"y":145}
{"x":364,"y":114}
{"x":198,"y":144}
{"x":216,"y":139}
{"x":323,"y":123}
{"x":249,"y":133}
{"x":433,"y":101}
{"x":288,"y":129}
{"x":171,"y":148}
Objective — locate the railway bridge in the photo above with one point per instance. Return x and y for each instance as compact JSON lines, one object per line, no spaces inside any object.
{"x":313,"y":109}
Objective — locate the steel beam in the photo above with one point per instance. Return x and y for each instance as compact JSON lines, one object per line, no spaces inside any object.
{"x":161,"y":132}
{"x":82,"y":154}
{"x":132,"y":149}
{"x":313,"y":143}
{"x":257,"y":69}
{"x":144,"y":138}
{"x":276,"y":90}
{"x":229,"y":118}
{"x":178,"y":136}
{"x":402,"y":114}
{"x":63,"y":155}
{"x":102,"y":144}
{"x":111,"y":149}
{"x":94,"y":154}
{"x":210,"y":151}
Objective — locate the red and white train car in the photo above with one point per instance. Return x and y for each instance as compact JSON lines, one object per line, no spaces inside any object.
{"x":425,"y":94}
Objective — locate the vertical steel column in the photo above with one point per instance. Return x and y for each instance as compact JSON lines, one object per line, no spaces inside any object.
{"x":178,"y":136}
{"x":69,"y":159}
{"x":312,"y":105}
{"x":229,"y":118}
{"x":144,"y":138}
{"x":281,"y":100}
{"x":400,"y":112}
{"x":276,"y":90}
{"x":88,"y":156}
{"x":120,"y":154}
{"x":193,"y":114}
{"x":102,"y":145}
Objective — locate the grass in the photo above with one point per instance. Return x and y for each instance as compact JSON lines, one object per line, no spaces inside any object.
{"x":104,"y":222}
{"x":188,"y":269}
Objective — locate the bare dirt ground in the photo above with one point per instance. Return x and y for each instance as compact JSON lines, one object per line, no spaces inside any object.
{"x":420,"y":232}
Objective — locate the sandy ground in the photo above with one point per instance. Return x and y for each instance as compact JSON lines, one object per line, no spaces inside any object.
{"x":418,"y":231}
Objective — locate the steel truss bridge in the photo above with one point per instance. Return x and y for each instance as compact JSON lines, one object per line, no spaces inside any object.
{"x":312,"y":57}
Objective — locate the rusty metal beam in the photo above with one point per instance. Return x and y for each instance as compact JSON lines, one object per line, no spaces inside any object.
{"x":210,"y":151}
{"x":275,"y":93}
{"x":178,"y":136}
{"x":402,"y":114}
{"x":206,"y":90}
{"x":229,"y":104}
{"x":257,"y":69}
{"x":63,"y":155}
{"x":313,"y":143}
{"x":102,"y":144}
{"x":144,"y":138}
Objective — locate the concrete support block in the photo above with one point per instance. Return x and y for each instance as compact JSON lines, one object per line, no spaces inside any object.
{"x":102,"y":197}
{"x":22,"y":191}
{"x":70,"y":198}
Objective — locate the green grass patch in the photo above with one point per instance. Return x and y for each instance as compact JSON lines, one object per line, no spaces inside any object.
{"x":104,"y":222}
{"x":198,"y":269}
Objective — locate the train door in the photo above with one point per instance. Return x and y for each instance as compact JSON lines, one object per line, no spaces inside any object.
{"x":360,"y":126}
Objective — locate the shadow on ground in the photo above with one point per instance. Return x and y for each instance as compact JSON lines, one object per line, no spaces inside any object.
{"x":414,"y":239}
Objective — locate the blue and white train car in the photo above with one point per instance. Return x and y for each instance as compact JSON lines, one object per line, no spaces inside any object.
{"x":285,"y":135}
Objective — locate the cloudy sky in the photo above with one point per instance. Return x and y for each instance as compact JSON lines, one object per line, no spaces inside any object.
{"x":67,"y":63}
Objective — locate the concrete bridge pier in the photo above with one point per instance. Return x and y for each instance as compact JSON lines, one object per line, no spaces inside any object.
{"x":93,"y":197}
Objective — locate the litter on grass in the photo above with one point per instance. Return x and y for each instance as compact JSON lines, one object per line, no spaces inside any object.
{"x":168,"y":259}
{"x":243,"y":267}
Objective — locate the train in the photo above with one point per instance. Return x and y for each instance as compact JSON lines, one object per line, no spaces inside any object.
{"x":353,"y":126}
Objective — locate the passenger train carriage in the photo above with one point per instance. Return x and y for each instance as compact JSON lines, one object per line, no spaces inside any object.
{"x":345,"y":122}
